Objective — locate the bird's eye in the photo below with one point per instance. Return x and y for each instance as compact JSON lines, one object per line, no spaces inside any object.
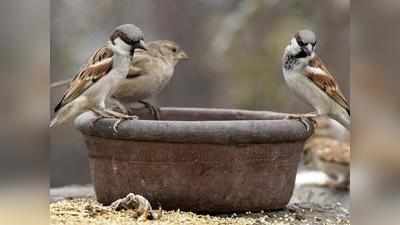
{"x":301,"y":43}
{"x":174,"y":49}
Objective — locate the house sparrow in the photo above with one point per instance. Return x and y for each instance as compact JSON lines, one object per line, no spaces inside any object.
{"x":89,"y":89}
{"x":332,"y":157}
{"x":149,"y":72}
{"x":157,"y":64}
{"x":305,"y":73}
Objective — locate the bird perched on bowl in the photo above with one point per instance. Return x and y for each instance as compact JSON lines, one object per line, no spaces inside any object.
{"x":306,"y":74}
{"x":96,"y":80}
{"x":150,"y":71}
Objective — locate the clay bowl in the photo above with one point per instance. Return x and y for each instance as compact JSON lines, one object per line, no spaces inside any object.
{"x":200,"y":160}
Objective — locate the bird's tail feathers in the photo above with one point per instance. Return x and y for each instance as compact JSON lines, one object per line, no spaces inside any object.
{"x":343,"y":119}
{"x":54,"y":122}
{"x":60,"y":118}
{"x":69,"y":112}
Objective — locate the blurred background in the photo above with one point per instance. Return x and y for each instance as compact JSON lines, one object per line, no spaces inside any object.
{"x":24,"y":114}
{"x":375,"y":51}
{"x":218,"y":49}
{"x":235,"y":50}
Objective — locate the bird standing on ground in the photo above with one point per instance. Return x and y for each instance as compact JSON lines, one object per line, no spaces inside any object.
{"x":305,"y":73}
{"x":100,"y":77}
{"x":330,"y":153}
{"x":332,"y":157}
{"x":150,"y":71}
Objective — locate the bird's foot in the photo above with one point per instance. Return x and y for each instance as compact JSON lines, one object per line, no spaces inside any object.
{"x":121,"y":118}
{"x":303,"y":119}
{"x":155,"y":111}
{"x":101,"y":114}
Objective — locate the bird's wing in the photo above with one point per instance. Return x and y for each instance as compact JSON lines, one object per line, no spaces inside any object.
{"x":138,"y":66}
{"x":321,"y":77}
{"x":98,"y":65}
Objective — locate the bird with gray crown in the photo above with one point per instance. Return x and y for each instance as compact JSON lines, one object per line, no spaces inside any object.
{"x":96,"y":80}
{"x":150,"y":72}
{"x":306,"y":75}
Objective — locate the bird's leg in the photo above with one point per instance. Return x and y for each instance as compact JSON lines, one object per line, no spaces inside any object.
{"x":120,"y":105}
{"x":303,"y":117}
{"x":101,"y":114}
{"x":120,"y":116}
{"x":153,"y":109}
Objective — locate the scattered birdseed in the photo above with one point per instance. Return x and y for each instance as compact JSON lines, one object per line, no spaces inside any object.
{"x":89,"y":211}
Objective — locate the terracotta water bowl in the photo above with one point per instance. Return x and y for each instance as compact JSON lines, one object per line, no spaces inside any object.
{"x":200,"y":160}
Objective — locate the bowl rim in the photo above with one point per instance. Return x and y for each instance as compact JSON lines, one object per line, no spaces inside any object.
{"x":247,"y":127}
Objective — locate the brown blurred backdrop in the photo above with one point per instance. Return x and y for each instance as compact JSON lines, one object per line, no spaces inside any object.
{"x":235,"y":48}
{"x":24,"y":114}
{"x":375,"y":82}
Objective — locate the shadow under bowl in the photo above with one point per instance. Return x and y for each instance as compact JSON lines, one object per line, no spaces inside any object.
{"x":195,"y":159}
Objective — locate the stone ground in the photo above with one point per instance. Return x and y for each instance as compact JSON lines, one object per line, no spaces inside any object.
{"x":310,"y":204}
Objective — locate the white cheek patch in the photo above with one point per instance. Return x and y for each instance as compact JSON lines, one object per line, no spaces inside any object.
{"x":294,"y":43}
{"x":293,"y":48}
{"x":121,"y":45}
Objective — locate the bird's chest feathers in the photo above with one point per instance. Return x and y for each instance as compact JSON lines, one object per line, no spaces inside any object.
{"x":295,"y":79}
{"x":305,"y":89}
{"x":121,"y":65}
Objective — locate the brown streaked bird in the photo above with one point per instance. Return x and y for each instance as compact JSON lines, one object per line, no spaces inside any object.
{"x":307,"y":76}
{"x":149,"y":73}
{"x":89,"y":89}
{"x":332,"y":157}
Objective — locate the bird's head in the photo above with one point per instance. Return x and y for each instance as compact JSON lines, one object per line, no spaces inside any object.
{"x":302,"y":45}
{"x":126,"y":38}
{"x":170,"y":51}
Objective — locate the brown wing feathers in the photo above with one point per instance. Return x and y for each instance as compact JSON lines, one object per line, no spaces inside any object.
{"x":98,"y":65}
{"x":327,"y":83}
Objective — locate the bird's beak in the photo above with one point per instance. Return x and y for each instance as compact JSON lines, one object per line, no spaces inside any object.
{"x":139,"y":45}
{"x":308,"y":49}
{"x":142,"y":45}
{"x":183,"y":55}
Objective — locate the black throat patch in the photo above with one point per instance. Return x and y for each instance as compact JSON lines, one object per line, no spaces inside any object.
{"x":290,"y":61}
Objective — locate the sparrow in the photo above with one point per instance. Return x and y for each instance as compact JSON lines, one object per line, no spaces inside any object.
{"x":331,"y":157}
{"x":96,"y":80}
{"x":150,"y":71}
{"x":305,"y":73}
